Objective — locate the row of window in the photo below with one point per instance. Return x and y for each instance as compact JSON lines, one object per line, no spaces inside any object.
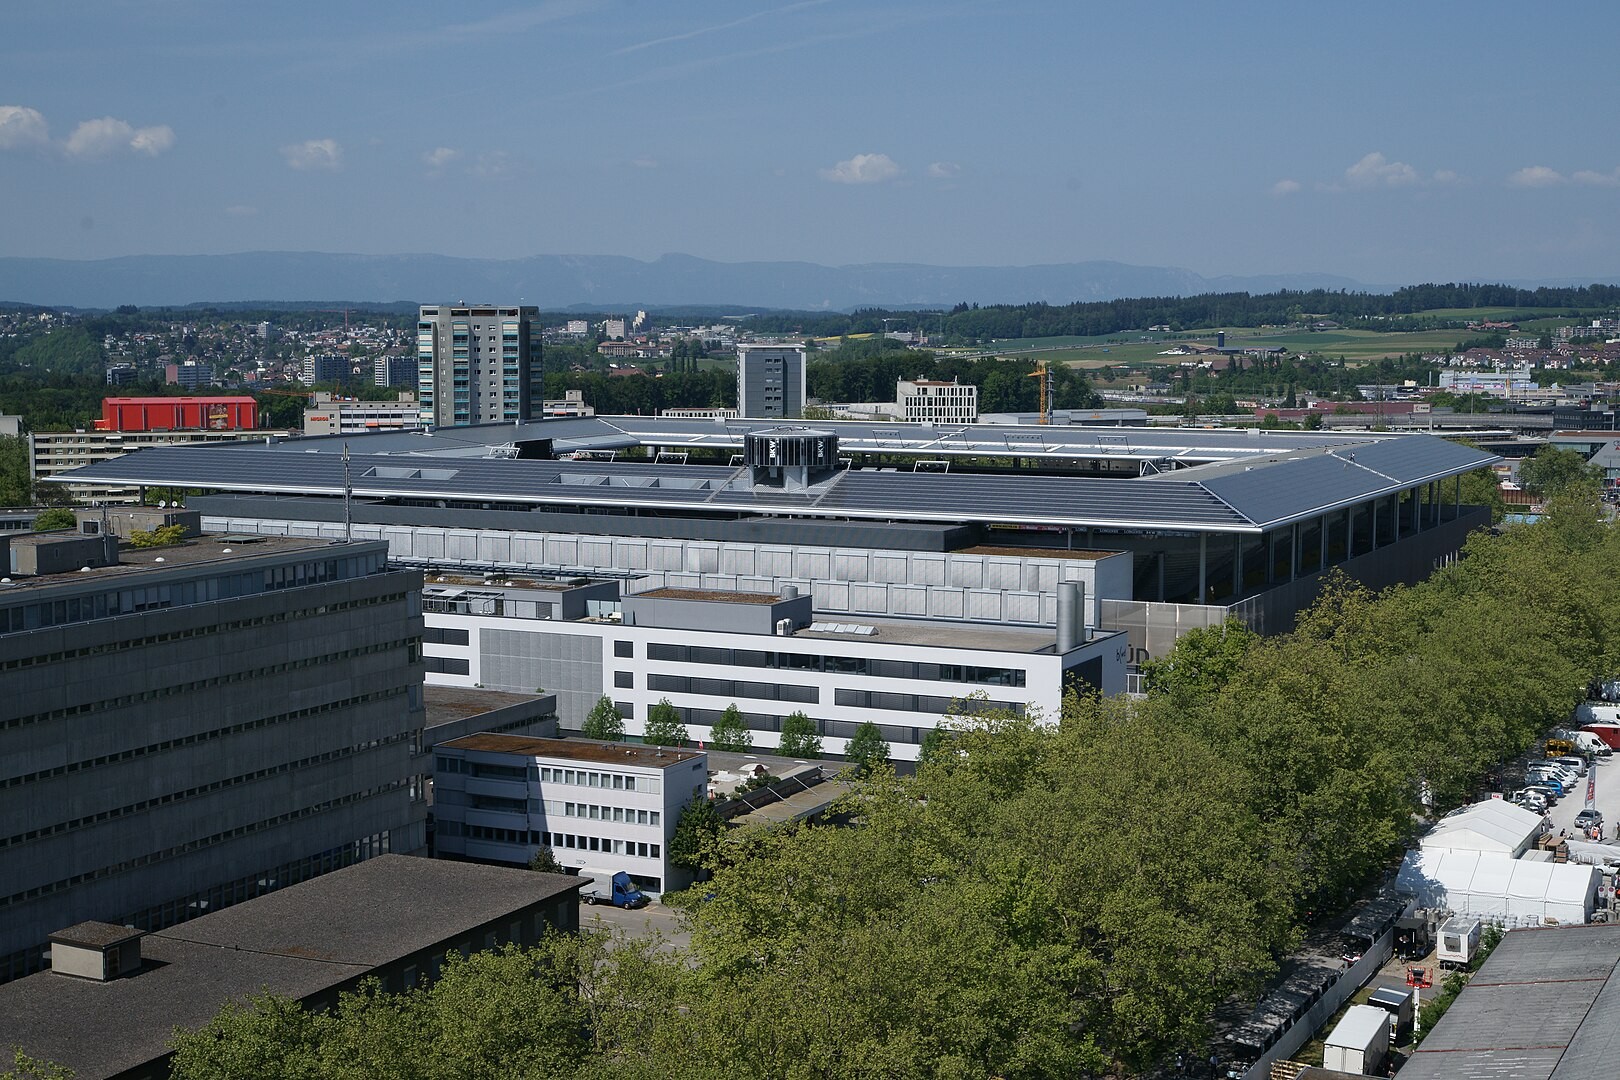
{"x":200,"y":843}
{"x":447,"y":665}
{"x":229,"y":626}
{"x":445,"y":763}
{"x":196,"y":791}
{"x":198,"y":737}
{"x":921,"y":703}
{"x":444,"y":635}
{"x":733,"y":688}
{"x":538,"y":838}
{"x":840,"y":665}
{"x":176,"y":689}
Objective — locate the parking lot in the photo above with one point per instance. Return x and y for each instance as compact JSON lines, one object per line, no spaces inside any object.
{"x":654,"y":920}
{"x":1606,"y":772}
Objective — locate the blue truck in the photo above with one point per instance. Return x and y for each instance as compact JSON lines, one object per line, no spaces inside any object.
{"x":619,"y":891}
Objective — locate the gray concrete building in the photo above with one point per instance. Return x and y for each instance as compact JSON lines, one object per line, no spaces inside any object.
{"x":477,"y":364}
{"x":770,"y":381}
{"x":190,"y":726}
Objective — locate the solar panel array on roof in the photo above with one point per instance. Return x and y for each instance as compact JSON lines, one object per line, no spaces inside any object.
{"x":1219,"y":498}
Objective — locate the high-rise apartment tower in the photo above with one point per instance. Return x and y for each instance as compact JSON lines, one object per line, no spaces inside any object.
{"x":477,"y":364}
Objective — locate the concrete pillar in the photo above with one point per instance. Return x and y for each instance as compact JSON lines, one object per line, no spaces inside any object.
{"x":1395,"y":515}
{"x":1458,"y":509}
{"x":1349,"y":532}
{"x":1237,"y":566}
{"x":1321,"y":543}
{"x":1293,"y":551}
{"x":1372,"y":530}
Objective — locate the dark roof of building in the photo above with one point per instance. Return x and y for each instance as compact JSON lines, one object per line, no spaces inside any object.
{"x":446,"y":704}
{"x":1545,"y":1006}
{"x":1206,"y":480}
{"x":297,"y":942}
{"x":586,"y":750}
{"x":193,"y":552}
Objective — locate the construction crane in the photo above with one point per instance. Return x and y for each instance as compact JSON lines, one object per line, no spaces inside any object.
{"x":335,"y":310}
{"x":1043,"y":373}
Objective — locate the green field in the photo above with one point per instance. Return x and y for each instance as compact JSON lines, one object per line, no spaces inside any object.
{"x":1353,"y":345}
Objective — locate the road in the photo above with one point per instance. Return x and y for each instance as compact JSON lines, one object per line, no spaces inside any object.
{"x":654,"y":920}
{"x":1606,"y":772}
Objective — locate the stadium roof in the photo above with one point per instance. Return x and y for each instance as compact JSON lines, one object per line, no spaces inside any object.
{"x":1250,"y":483}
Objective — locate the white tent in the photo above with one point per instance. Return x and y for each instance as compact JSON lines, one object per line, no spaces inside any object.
{"x":1494,"y":825}
{"x":1519,"y":892}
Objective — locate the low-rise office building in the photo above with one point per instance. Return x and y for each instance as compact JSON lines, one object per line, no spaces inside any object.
{"x":187,"y":727}
{"x":929,"y":401}
{"x":768,"y":653}
{"x":110,"y":1004}
{"x":602,"y":808}
{"x":329,"y":414}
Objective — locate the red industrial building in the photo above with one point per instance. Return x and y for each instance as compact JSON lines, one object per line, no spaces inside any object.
{"x":178,"y":414}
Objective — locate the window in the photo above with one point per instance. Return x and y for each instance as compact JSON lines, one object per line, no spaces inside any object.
{"x":624,"y":680}
{"x":623,"y":648}
{"x":447,"y":665}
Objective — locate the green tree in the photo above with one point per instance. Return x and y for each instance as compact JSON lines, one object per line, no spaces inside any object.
{"x":1553,"y":471}
{"x":698,"y":829}
{"x":730,"y":734}
{"x":162,"y":536}
{"x":605,"y":722}
{"x":867,"y":749}
{"x":544,"y":861}
{"x":24,"y":1067}
{"x":16,"y":481}
{"x":664,"y":726}
{"x":800,"y":739}
{"x":55,"y":520}
{"x":1202,"y":662}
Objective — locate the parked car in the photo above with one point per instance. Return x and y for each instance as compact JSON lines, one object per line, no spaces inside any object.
{"x":1564,"y":780}
{"x":1534,"y":801}
{"x":1547,"y":791}
{"x":1576,"y":763}
{"x":1588,"y":819}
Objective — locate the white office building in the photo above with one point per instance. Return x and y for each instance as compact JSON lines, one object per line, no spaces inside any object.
{"x":931,"y":402}
{"x":767,"y":653}
{"x":770,"y":381}
{"x":477,"y":364}
{"x":332,"y":415}
{"x":601,"y":808}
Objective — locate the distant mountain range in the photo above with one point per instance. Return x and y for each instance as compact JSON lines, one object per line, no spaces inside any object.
{"x":561,"y":282}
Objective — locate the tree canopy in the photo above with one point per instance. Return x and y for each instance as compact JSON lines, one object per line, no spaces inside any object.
{"x":604,"y":722}
{"x":664,"y":726}
{"x":729,"y":733}
{"x":800,"y":736}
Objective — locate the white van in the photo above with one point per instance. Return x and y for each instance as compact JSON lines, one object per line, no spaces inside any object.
{"x":1587,"y":742}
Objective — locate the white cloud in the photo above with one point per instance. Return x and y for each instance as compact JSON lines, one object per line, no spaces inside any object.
{"x":1535,"y":176}
{"x":1445,"y":176}
{"x":110,"y":135}
{"x":495,"y":163}
{"x":944,"y":170}
{"x":314,"y":154}
{"x":863,"y":169}
{"x":1597,"y":179}
{"x":1375,"y":170}
{"x":21,"y":126}
{"x":1285,"y":187}
{"x":440,"y":156}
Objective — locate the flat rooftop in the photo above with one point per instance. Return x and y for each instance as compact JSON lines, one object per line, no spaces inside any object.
{"x":446,"y":704}
{"x":197,"y":551}
{"x":1545,"y":1006}
{"x":299,"y":941}
{"x":997,"y":637}
{"x":581,"y":750}
{"x":712,"y":596}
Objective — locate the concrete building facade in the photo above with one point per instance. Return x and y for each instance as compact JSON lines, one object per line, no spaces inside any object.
{"x":477,"y":364}
{"x":770,"y":381}
{"x":199,"y":724}
{"x":602,"y":808}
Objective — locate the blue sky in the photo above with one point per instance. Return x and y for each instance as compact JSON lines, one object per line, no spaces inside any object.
{"x":1389,"y":142}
